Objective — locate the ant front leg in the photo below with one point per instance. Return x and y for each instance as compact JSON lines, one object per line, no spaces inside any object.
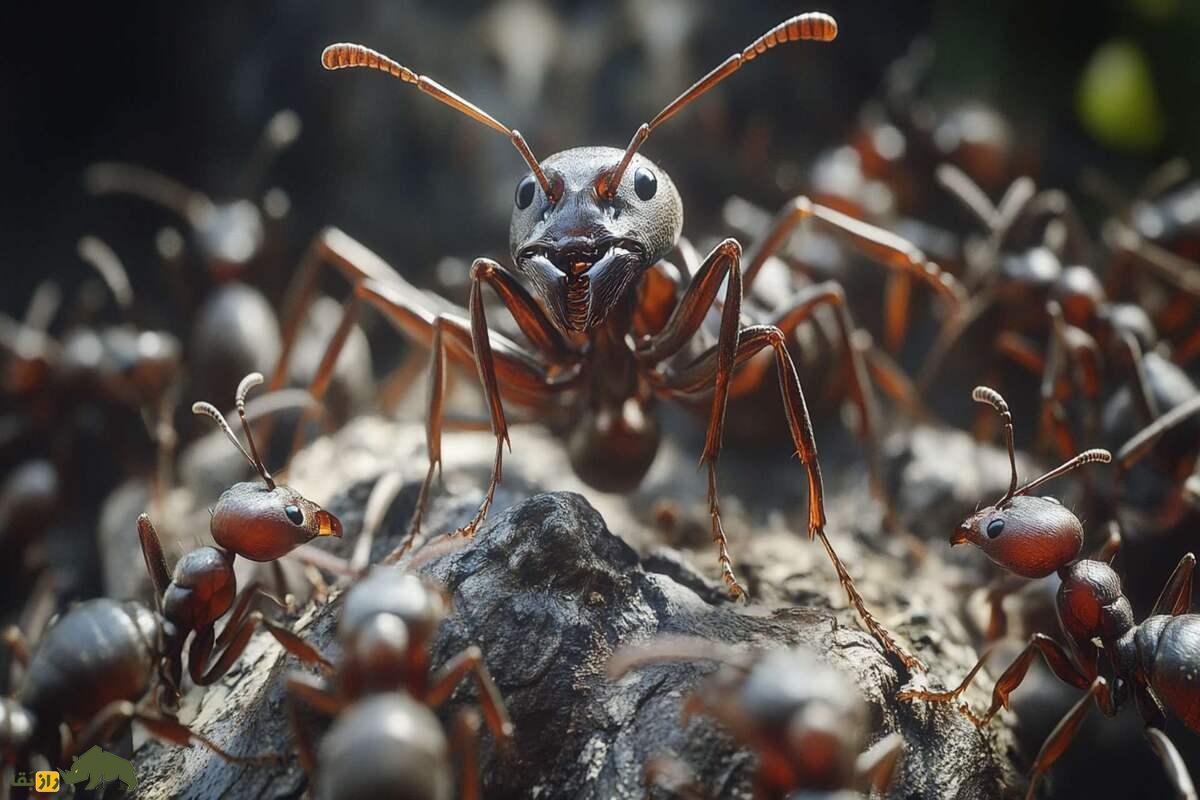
{"x":722,"y":262}
{"x":697,"y":377}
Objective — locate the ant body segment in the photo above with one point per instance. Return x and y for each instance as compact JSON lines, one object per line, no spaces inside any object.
{"x":1107,"y":653}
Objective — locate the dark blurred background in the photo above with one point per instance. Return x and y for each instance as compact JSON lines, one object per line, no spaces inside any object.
{"x":186,"y":88}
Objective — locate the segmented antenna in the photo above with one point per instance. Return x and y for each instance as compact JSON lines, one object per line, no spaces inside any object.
{"x":345,"y":55}
{"x":102,"y":258}
{"x":1094,"y":456}
{"x":986,"y":394}
{"x":207,"y":409}
{"x":248,"y":383}
{"x":112,"y":177}
{"x":813,"y":26}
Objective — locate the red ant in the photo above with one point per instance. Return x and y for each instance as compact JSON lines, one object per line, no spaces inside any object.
{"x":386,"y":741}
{"x":91,"y":668}
{"x":1106,"y":653}
{"x":806,"y":723}
{"x":589,"y":227}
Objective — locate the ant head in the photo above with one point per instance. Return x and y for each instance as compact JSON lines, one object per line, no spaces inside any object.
{"x":265,"y":521}
{"x":202,"y":589}
{"x":588,"y":221}
{"x":581,"y":246}
{"x":1030,"y":536}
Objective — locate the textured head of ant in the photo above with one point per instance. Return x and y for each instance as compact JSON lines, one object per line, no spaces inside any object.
{"x":262,"y":521}
{"x":583,"y":244}
{"x":1030,"y":536}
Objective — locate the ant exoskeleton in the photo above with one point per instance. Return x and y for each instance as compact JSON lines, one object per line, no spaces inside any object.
{"x":588,"y":229}
{"x":386,"y":737}
{"x":1106,"y":653}
{"x":91,"y":668}
{"x":806,"y":723}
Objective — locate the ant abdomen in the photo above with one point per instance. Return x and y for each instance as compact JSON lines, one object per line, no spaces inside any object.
{"x":1169,"y":650}
{"x":201,"y":590}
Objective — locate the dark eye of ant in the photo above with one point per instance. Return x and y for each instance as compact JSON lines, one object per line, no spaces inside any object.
{"x":644,"y":183}
{"x":295,"y":515}
{"x":525,"y":190}
{"x":995,"y":528}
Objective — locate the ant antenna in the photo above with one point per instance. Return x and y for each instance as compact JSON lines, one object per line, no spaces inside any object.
{"x":1143,"y":440}
{"x":102,"y":258}
{"x":1094,"y":456}
{"x":986,"y":394}
{"x":280,"y":132}
{"x":112,"y":177}
{"x":251,"y":380}
{"x":813,"y":26}
{"x":967,"y":192}
{"x":345,"y":55}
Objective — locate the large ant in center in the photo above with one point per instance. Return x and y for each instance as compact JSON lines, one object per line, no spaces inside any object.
{"x":1107,"y":653}
{"x":609,"y":330}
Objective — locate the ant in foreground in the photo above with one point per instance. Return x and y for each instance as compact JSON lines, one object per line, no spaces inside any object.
{"x":1107,"y":653}
{"x":386,"y":741}
{"x":807,"y":724}
{"x":102,"y":658}
{"x":611,"y":330}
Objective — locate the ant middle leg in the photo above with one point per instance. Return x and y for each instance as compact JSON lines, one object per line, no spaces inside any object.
{"x":470,"y":662}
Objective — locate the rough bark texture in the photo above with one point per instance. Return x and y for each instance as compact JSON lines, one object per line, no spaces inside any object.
{"x":550,"y":587}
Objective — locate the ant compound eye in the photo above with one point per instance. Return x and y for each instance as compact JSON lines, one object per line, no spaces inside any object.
{"x":525,"y":190}
{"x":644,"y":183}
{"x":995,"y":528}
{"x":295,"y":515}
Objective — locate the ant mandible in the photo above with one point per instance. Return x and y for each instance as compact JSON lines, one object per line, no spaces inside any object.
{"x":588,"y":227}
{"x":1154,"y":661}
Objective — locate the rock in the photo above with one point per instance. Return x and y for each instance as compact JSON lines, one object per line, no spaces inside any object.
{"x":548,"y":590}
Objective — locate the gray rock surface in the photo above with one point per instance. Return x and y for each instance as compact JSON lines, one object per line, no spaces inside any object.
{"x":549,"y":588}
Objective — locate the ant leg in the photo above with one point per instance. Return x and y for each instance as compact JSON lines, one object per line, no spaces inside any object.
{"x":1144,"y":440}
{"x":697,"y":377}
{"x":314,"y":693}
{"x":997,"y":618}
{"x":1055,"y":657}
{"x":1112,"y":545}
{"x":298,"y":647}
{"x":949,"y":696}
{"x":102,"y":726}
{"x":891,"y":379}
{"x":470,"y":661}
{"x":1176,"y":596}
{"x":463,"y":741}
{"x":897,"y":304}
{"x":800,"y":308}
{"x":949,"y":336}
{"x":1060,"y":738}
{"x":1173,"y":765}
{"x":884,"y":247}
{"x":876,"y":766}
{"x":237,"y":643}
{"x":110,"y":177}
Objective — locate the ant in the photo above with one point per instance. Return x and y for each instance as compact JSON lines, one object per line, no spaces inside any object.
{"x":94,"y":666}
{"x":589,"y":228}
{"x":1107,"y":653}
{"x":806,"y":723}
{"x":385,"y":736}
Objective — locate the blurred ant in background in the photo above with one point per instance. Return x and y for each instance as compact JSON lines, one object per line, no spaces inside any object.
{"x":805,"y":722}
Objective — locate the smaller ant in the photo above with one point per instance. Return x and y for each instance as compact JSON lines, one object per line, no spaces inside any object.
{"x":101,"y":659}
{"x":386,"y":742}
{"x":1107,"y":653}
{"x":806,"y":723}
